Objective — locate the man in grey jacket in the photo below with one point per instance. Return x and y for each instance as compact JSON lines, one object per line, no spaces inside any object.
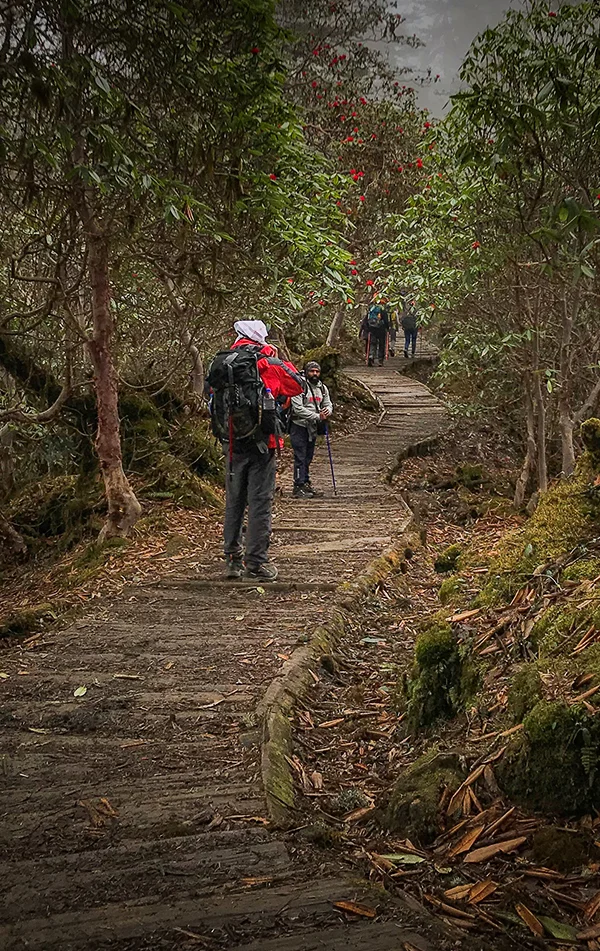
{"x":310,"y":411}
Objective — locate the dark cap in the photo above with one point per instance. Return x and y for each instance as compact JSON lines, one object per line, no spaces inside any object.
{"x":312,"y":365}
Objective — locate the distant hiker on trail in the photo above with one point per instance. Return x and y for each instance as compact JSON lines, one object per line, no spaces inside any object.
{"x":374,"y":330}
{"x":309,"y":414}
{"x":246,"y":382}
{"x":410,"y":326}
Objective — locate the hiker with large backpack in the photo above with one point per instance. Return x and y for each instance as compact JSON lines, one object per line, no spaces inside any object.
{"x":410,"y":325}
{"x":310,"y":411}
{"x":374,"y":330}
{"x":247,"y":383}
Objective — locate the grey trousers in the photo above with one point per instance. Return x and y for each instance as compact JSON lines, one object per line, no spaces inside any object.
{"x":251,"y":484}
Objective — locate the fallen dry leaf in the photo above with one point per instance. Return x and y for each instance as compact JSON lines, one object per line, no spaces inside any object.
{"x":534,"y":924}
{"x":468,"y":840}
{"x":364,"y":911}
{"x":481,"y":891}
{"x":591,"y":909}
{"x":488,"y":851}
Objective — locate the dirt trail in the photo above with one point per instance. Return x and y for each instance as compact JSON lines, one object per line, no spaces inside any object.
{"x":133,"y":815}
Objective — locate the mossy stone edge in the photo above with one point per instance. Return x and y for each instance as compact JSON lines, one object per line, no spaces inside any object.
{"x":295,"y":678}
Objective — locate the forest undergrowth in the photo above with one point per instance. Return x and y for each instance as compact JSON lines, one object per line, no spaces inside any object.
{"x":452,"y":753}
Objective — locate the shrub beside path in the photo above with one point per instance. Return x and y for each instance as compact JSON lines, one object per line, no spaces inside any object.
{"x":133,"y":813}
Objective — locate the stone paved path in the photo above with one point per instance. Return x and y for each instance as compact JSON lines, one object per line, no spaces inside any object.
{"x":133,"y":817}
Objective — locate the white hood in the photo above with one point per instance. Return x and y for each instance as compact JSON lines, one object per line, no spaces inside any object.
{"x":252,"y":330}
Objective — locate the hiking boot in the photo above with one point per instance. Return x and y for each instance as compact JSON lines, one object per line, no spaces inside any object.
{"x":406,"y":354}
{"x":264,"y":572}
{"x":315,"y":492}
{"x":381,"y":363}
{"x":370,"y":362}
{"x":392,"y":352}
{"x":303,"y":492}
{"x":233,"y":567}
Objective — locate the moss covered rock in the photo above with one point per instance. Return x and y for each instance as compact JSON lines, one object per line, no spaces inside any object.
{"x":448,"y":559}
{"x":28,"y":620}
{"x":451,"y":590}
{"x":561,"y":849}
{"x":442,"y":680}
{"x":175,"y":480}
{"x":413,"y":808}
{"x":524,"y":692}
{"x":564,"y":517}
{"x":553,"y":765}
{"x":582,"y":570}
{"x":471,"y":476}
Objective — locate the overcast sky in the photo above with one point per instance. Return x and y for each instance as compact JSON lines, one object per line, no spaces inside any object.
{"x":447,"y":28}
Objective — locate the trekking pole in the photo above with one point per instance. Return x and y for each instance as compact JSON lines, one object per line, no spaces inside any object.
{"x":330,"y":459}
{"x":387,"y":346}
{"x":368,"y":349}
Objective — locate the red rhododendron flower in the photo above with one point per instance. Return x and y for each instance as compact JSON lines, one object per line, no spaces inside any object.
{"x":370,"y":283}
{"x":401,"y":168}
{"x":427,"y":125}
{"x":322,"y":303}
{"x":419,"y":163}
{"x":363,"y":101}
{"x":255,"y":50}
{"x":409,"y":261}
{"x":551,"y":13}
{"x":360,"y":141}
{"x":352,"y":262}
{"x":290,"y":280}
{"x":349,"y":300}
{"x":476,"y":245}
{"x":361,"y":198}
{"x":273,"y":177}
{"x":349,"y":139}
{"x":314,"y":84}
{"x":353,"y":171}
{"x":342,"y":118}
{"x":354,"y":271}
{"x":316,"y":52}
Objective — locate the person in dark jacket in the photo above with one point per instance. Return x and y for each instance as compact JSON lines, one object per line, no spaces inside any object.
{"x":374,"y":330}
{"x":251,"y":480}
{"x":410,"y":326}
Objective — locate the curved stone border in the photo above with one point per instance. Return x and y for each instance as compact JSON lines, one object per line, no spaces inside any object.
{"x":296,"y":676}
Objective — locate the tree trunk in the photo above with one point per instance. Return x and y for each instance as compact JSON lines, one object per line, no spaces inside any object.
{"x":567,"y":426}
{"x":566,"y":421}
{"x":529,"y":463}
{"x":540,"y":416}
{"x":197,"y":363}
{"x":12,"y":546}
{"x":123,"y":507}
{"x":335,"y":329}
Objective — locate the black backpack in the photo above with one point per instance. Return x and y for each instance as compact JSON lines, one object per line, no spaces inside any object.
{"x":236,"y":411}
{"x":242,"y":410}
{"x":375,"y":317}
